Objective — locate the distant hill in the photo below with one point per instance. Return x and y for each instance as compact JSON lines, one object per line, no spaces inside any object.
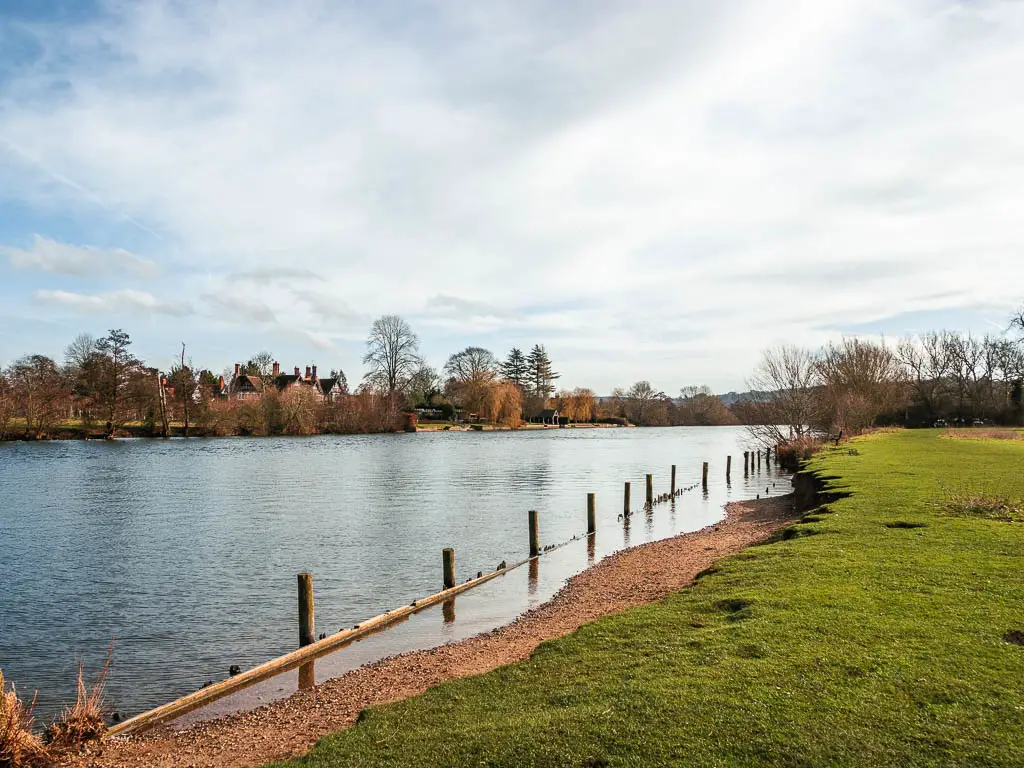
{"x":736,"y":397}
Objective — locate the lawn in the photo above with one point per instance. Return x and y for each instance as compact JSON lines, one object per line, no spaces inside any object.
{"x":872,"y":635}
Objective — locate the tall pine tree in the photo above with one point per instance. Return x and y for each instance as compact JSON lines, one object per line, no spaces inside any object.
{"x":541,"y":376}
{"x":515,"y":368}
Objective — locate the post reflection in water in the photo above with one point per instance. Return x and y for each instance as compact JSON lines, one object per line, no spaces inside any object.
{"x":625,"y":530}
{"x":591,"y":548}
{"x":307,"y":676}
{"x":533,"y":575}
{"x":448,"y":610}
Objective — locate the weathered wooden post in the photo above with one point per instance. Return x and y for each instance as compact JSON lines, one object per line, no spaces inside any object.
{"x":746,"y":456}
{"x":625,"y":502}
{"x":704,"y":476}
{"x":758,"y":460}
{"x":650,"y":490}
{"x":448,"y":567}
{"x":591,"y":513}
{"x":728,"y":467}
{"x":768,"y":456}
{"x":534,"y":536}
{"x":673,"y":491}
{"x":307,"y":625}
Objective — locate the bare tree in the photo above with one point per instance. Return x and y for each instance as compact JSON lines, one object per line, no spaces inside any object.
{"x":185,"y":386}
{"x":639,"y":400}
{"x":788,"y":376}
{"x":261,"y":364}
{"x":392,"y":353}
{"x":6,"y":403}
{"x":40,"y":392}
{"x":862,"y":380}
{"x":926,"y":361}
{"x":471,"y":374}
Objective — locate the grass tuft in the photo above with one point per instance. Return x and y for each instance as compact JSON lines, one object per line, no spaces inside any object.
{"x":19,"y":746}
{"x":991,"y":505}
{"x":83,"y":721}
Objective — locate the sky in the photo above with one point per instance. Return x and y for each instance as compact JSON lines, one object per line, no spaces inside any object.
{"x":652,"y":190}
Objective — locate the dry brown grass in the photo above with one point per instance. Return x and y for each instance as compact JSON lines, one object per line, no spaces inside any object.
{"x":83,"y":721}
{"x":967,"y":502}
{"x":19,"y":747}
{"x":989,"y":433}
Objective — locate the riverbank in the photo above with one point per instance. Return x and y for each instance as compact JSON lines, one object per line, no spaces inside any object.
{"x":627,"y":579}
{"x":884,"y":629}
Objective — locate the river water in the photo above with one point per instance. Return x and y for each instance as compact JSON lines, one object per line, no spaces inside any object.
{"x":185,"y":553}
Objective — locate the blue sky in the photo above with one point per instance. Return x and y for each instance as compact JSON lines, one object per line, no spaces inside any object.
{"x":652,"y":190}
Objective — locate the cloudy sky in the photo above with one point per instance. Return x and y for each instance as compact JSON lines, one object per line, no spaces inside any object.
{"x":652,"y":190}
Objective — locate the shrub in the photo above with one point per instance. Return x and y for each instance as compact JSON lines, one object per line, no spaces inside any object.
{"x":83,"y":721}
{"x":19,"y":747}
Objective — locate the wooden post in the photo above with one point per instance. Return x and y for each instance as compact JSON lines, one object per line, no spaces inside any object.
{"x":746,"y":458}
{"x":625,"y":502}
{"x":673,"y":491}
{"x":759,"y":461}
{"x":767,"y":456}
{"x":307,"y":626}
{"x":534,"y":536}
{"x":591,"y":513}
{"x":650,"y":490}
{"x":704,"y":476}
{"x":448,"y":567}
{"x":728,"y":467}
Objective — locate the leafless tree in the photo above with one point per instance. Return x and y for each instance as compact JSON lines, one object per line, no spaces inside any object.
{"x":185,"y":386}
{"x":787,"y":375}
{"x":6,"y":403}
{"x":862,"y":380}
{"x":640,"y":398}
{"x":261,"y":364}
{"x":926,"y":361}
{"x":40,"y":392}
{"x":392,"y":354}
{"x":471,"y":375}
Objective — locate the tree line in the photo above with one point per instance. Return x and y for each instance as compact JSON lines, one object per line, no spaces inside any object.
{"x":934,"y":378}
{"x":102,"y":389}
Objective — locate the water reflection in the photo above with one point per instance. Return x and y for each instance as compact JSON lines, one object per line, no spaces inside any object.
{"x":186,"y":551}
{"x":448,"y":611}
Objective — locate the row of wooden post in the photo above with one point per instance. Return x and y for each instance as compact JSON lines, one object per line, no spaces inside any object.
{"x":307,"y":626}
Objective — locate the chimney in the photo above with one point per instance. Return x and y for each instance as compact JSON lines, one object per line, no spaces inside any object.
{"x":277,"y":369}
{"x":314,"y":371}
{"x":307,"y":371}
{"x":296,"y":370}
{"x":238,"y":369}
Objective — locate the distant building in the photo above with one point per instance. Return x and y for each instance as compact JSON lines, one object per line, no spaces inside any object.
{"x":248,"y":386}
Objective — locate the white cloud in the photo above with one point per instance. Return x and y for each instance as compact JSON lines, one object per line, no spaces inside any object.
{"x":79,"y":261}
{"x":655,"y":190}
{"x":236,"y":308}
{"x":115,"y":302}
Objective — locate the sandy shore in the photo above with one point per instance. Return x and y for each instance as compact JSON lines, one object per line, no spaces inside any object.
{"x":290,"y":727}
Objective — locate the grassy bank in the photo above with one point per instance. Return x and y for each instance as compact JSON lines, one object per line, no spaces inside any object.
{"x":873,"y":634}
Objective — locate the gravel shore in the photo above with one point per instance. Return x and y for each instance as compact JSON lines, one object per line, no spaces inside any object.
{"x":290,"y":727}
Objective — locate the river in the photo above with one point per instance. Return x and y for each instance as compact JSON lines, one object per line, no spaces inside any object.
{"x":184,"y":553}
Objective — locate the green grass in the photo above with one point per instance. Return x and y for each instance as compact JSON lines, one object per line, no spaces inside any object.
{"x":857,"y":640}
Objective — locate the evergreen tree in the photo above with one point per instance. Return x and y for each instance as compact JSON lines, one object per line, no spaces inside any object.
{"x":540,"y":376}
{"x":515,"y":368}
